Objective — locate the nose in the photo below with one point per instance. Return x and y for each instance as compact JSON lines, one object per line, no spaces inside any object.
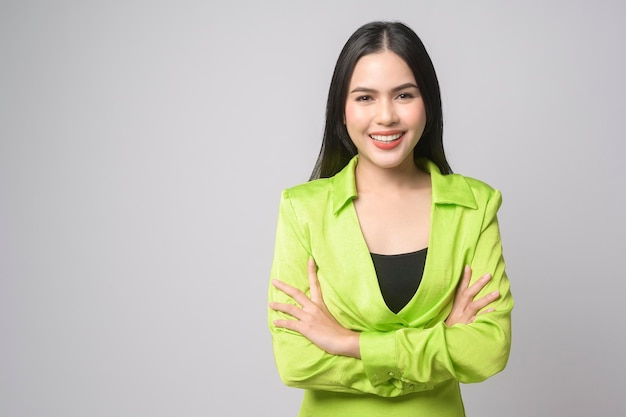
{"x":386,"y":113}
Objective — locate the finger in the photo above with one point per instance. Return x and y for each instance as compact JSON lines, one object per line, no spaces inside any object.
{"x":293,"y":292}
{"x":489,"y":310}
{"x":476,"y":287}
{"x":483,"y":302}
{"x":287,"y":308}
{"x":463,"y":292}
{"x":288,"y":324}
{"x":314,"y":284}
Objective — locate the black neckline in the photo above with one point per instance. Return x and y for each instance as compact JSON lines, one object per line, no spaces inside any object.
{"x":400,"y":254}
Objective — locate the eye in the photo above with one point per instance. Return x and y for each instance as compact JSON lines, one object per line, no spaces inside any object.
{"x":364,"y":98}
{"x":405,"y":96}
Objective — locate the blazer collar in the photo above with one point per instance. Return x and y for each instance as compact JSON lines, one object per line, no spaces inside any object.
{"x":447,"y":189}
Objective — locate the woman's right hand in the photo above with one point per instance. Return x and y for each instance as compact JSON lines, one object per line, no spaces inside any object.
{"x":465,"y":308}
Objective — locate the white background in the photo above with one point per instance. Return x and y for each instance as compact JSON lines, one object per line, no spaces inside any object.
{"x":144,"y":145}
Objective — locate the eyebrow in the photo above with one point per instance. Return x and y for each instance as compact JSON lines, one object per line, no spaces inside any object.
{"x":395,"y":89}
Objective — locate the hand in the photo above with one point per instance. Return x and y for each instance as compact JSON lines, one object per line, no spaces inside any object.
{"x":465,"y":308}
{"x":313,"y":320}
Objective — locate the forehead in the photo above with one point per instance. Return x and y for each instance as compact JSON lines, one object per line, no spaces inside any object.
{"x":381,"y":68}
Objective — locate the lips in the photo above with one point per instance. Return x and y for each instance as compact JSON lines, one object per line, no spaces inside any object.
{"x":387,"y":140}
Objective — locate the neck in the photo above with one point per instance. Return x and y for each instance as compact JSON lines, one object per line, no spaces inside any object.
{"x":370,"y":177}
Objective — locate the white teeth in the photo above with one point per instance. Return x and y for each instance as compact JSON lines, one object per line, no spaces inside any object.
{"x":386,"y":138}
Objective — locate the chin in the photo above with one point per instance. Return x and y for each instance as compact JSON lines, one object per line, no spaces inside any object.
{"x":391,"y":163}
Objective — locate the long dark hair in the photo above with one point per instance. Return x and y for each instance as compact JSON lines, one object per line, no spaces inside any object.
{"x":337,"y":148}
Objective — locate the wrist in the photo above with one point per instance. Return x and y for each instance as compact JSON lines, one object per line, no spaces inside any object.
{"x":351,"y":345}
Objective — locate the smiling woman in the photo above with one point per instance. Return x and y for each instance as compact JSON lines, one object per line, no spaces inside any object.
{"x":374,"y":306}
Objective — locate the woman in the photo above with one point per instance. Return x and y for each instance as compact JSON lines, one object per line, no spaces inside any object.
{"x":374,"y":309}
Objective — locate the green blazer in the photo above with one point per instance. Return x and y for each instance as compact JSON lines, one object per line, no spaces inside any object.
{"x":411,"y":362}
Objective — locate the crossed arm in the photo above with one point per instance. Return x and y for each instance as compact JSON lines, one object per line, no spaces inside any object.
{"x":312,"y":319}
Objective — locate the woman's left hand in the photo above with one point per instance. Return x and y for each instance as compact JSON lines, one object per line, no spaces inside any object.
{"x":466,"y":306}
{"x":313,"y":320}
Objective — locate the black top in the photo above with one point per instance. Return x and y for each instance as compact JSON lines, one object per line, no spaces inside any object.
{"x":399,"y":276}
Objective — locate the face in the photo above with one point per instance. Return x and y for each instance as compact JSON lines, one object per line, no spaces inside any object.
{"x":384,"y":114}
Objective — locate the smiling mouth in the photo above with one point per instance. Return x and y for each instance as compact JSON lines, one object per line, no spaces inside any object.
{"x":386,"y":138}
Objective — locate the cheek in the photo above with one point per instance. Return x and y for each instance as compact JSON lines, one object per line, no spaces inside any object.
{"x":354,"y":117}
{"x":414,"y":116}
{"x":348,"y":114}
{"x":353,"y":122}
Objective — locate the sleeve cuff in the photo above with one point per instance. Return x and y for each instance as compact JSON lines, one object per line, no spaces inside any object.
{"x":378,"y":353}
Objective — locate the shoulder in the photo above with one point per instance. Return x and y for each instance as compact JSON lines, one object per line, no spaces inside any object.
{"x":481,"y":190}
{"x":307,"y":200}
{"x":488,"y":199}
{"x":461,"y":190}
{"x":332,"y":192}
{"x":312,"y":190}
